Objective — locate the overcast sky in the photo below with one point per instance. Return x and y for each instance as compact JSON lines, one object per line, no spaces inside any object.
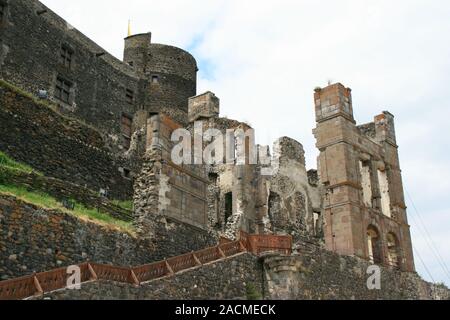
{"x":264,"y":58}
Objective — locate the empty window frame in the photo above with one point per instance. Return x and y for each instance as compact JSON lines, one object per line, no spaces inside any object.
{"x":384,"y":190}
{"x":2,"y":11}
{"x":366,"y":183}
{"x":155,"y":79}
{"x":126,"y":125}
{"x":66,"y":56}
{"x":374,"y":245}
{"x":228,"y":206}
{"x":63,"y":89}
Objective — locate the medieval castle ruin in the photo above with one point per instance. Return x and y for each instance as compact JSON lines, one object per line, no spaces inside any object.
{"x":99,"y":130}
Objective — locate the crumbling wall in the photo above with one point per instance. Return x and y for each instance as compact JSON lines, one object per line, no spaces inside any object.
{"x":169,"y":199}
{"x":292,"y":199}
{"x":359,"y":169}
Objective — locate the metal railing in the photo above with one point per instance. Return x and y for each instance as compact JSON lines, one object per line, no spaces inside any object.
{"x":44,"y":282}
{"x":259,"y":243}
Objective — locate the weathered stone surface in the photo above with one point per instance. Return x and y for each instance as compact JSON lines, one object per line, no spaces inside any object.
{"x":118,"y":136}
{"x":204,"y":106}
{"x":318,"y":274}
{"x":42,"y":240}
{"x":58,"y":146}
{"x":157,"y":76}
{"x":227,"y":279}
{"x":365,"y":211}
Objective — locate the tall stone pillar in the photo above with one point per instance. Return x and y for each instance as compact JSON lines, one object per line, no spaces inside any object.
{"x":338,"y":170}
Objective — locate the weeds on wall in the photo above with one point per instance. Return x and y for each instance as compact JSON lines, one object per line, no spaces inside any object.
{"x":252,"y":292}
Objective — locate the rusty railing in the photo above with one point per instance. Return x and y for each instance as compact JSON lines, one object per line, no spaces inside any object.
{"x":151,"y":271}
{"x":40,"y":283}
{"x":260,"y":243}
{"x":20,"y":288}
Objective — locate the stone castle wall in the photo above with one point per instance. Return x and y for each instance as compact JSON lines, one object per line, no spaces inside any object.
{"x":104,"y":91}
{"x":32,"y":37}
{"x":33,"y":239}
{"x":316,"y":274}
{"x":58,"y":146}
{"x":226,"y":279}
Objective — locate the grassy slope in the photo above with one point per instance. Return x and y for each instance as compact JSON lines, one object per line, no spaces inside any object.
{"x":46,"y":201}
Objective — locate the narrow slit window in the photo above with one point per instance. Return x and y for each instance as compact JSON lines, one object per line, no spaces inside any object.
{"x":2,"y":12}
{"x":228,"y":206}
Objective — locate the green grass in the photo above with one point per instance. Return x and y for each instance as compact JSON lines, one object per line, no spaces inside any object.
{"x":127,"y":204}
{"x":46,"y":201}
{"x":7,"y":162}
{"x":252,"y":292}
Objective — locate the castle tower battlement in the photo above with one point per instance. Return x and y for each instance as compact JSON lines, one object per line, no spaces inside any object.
{"x":171,"y":72}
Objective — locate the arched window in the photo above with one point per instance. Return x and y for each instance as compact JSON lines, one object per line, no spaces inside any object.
{"x":393,"y":250}
{"x":374,"y":245}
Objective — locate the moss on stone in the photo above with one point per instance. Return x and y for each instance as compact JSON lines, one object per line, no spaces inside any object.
{"x":252,"y":292}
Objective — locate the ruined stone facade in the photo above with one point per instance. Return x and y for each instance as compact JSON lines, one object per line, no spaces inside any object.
{"x":100,"y":123}
{"x":364,"y":204}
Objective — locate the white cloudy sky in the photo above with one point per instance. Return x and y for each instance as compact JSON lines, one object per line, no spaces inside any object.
{"x":264,"y":58}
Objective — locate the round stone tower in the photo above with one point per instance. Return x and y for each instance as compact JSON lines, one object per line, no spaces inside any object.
{"x":171,"y":72}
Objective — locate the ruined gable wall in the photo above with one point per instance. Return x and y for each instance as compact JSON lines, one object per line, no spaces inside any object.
{"x":171,"y":200}
{"x":353,"y":161}
{"x":292,"y":200}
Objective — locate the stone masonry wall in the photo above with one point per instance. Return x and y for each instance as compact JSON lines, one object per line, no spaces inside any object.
{"x":33,"y":239}
{"x":58,"y":146}
{"x":64,"y":190}
{"x":317,"y":274}
{"x":226,"y":279}
{"x":30,"y":57}
{"x":312,"y":275}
